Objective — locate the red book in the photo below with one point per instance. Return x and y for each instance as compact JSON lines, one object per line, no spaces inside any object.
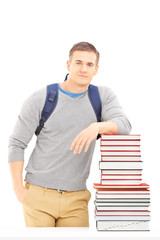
{"x":121,"y":176}
{"x":141,"y":186}
{"x":121,"y":137}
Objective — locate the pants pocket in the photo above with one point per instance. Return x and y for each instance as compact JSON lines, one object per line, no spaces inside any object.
{"x":27,"y":186}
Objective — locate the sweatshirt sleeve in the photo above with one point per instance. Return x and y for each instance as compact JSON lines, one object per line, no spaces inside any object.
{"x":111,"y":110}
{"x":24,"y":129}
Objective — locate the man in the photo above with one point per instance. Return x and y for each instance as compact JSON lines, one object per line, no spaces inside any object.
{"x":55,"y":192}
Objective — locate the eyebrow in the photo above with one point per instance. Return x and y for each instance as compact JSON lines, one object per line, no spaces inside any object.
{"x":82,"y":61}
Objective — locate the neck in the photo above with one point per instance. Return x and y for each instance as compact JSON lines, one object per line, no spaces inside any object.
{"x":73,"y":87}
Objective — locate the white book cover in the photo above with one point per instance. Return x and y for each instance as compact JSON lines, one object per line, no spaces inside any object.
{"x":109,"y":171}
{"x":120,"y":158}
{"x":122,"y":213}
{"x":132,"y":218}
{"x":121,"y":182}
{"x":120,"y":148}
{"x":125,"y":200}
{"x":120,"y":165}
{"x":120,"y":154}
{"x":120,"y":137}
{"x":118,"y":142}
{"x":122,"y":225}
{"x":122,"y":196}
{"x":124,"y":204}
{"x":123,"y":192}
{"x":103,"y":176}
{"x":114,"y":208}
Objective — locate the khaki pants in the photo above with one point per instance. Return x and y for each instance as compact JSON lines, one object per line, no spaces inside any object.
{"x":44,"y":207}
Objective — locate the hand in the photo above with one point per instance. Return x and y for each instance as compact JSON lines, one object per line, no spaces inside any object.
{"x":85,"y":137}
{"x":20,"y":194}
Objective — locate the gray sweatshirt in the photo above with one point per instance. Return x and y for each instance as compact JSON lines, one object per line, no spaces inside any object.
{"x":52,"y":164}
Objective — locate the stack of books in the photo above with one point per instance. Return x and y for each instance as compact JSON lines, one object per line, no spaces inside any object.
{"x":122,"y":200}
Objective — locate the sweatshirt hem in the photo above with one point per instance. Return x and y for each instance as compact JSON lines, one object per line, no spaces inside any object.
{"x":62,"y":184}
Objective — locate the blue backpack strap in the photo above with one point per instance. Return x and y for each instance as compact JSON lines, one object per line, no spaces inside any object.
{"x":49,"y":106}
{"x":95,"y":100}
{"x":66,"y":77}
{"x":52,"y":98}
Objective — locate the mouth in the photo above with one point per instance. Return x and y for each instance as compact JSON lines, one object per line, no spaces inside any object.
{"x":82,"y":76}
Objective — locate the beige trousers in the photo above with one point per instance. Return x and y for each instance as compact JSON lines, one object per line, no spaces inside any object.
{"x":44,"y":207}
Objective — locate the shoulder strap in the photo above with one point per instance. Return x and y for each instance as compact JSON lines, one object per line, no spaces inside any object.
{"x":95,"y":100}
{"x":49,"y":106}
{"x":52,"y":98}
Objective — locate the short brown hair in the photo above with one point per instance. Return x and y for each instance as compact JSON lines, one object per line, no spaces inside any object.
{"x":84,"y":46}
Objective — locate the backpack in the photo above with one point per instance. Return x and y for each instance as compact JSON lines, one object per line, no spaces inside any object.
{"x":52,"y":99}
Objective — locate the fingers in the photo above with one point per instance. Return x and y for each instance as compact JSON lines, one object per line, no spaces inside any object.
{"x":87,"y":145}
{"x":81,"y":145}
{"x":76,"y":141}
{"x":78,"y":145}
{"x":84,"y":137}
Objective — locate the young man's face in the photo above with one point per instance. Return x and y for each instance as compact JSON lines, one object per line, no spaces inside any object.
{"x":82,"y":67}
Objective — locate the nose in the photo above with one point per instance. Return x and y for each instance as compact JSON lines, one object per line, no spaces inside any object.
{"x":83,"y":68}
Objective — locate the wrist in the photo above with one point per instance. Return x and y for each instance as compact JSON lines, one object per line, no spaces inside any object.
{"x":18,"y":188}
{"x":107,"y":127}
{"x":96,"y":126}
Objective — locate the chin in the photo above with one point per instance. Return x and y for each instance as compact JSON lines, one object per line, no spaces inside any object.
{"x":83,"y":83}
{"x":83,"y":80}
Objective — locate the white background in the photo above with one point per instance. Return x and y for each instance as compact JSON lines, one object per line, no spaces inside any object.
{"x":35,"y":38}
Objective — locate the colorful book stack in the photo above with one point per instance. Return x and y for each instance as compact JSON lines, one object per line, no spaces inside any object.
{"x":122,"y":200}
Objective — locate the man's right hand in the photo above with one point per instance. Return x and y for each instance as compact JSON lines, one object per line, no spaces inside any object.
{"x":16,"y":169}
{"x":20,"y":194}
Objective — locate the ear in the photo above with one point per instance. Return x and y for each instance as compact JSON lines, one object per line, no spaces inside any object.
{"x":68,"y":65}
{"x":96,"y":70}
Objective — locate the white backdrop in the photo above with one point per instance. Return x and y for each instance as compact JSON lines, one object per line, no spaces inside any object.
{"x":36,"y":37}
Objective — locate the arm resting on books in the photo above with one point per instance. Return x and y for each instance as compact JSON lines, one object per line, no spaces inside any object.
{"x":112,"y":111}
{"x":113,"y":121}
{"x":107,"y":127}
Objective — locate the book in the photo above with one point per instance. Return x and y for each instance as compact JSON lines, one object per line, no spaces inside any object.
{"x":121,"y":171}
{"x":127,"y":218}
{"x":120,"y":165}
{"x":121,"y":176}
{"x":120,"y":196}
{"x":140,"y":186}
{"x":119,"y":191}
{"x":120,"y":148}
{"x":102,"y":202}
{"x":121,"y":181}
{"x":130,"y":207}
{"x":122,"y":225}
{"x":123,"y":200}
{"x":121,"y":136}
{"x":106,"y":153}
{"x":122,"y":213}
{"x":105,"y":142}
{"x":120,"y":158}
